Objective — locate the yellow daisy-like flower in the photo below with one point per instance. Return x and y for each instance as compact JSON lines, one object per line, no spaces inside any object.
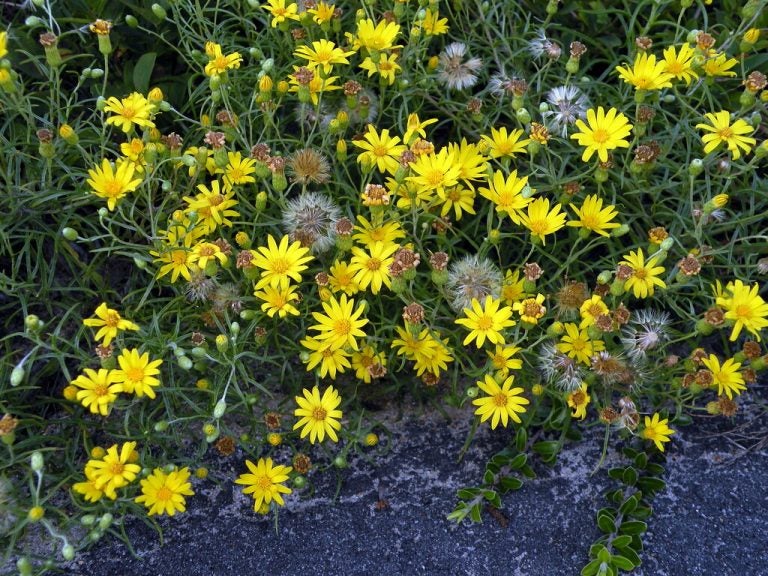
{"x":113,"y":183}
{"x":176,"y":259}
{"x":503,"y":144}
{"x":88,"y":488}
{"x":213,"y":207}
{"x":578,"y":401}
{"x":218,"y":62}
{"x":205,"y":253}
{"x":318,"y":85}
{"x":109,"y":323}
{"x":602,"y":132}
{"x":540,"y":220}
{"x":577,"y":344}
{"x":502,"y":403}
{"x":341,"y":323}
{"x":134,"y":151}
{"x":322,"y":54}
{"x":318,"y":415}
{"x":331,"y":360}
{"x":719,"y":65}
{"x":657,"y":431}
{"x":486,"y":321}
{"x":375,"y":37}
{"x":427,"y":349}
{"x":322,"y":12}
{"x":503,"y":359}
{"x":163,"y":493}
{"x":380,"y":150}
{"x":371,"y":268}
{"x":592,"y":216}
{"x":97,"y":390}
{"x":531,"y":309}
{"x":433,"y":25}
{"x":134,"y":109}
{"x":364,"y":360}
{"x":645,"y":275}
{"x":238,"y":170}
{"x":137,"y":374}
{"x":591,"y":309}
{"x":280,"y":263}
{"x":387,"y":67}
{"x":435,"y":171}
{"x":459,"y":199}
{"x":680,"y":64}
{"x":265,"y":482}
{"x":727,"y":376}
{"x":368,"y":233}
{"x":721,"y":131}
{"x":278,"y":301}
{"x":3,"y":44}
{"x":415,"y":128}
{"x":471,"y":161}
{"x":342,"y":279}
{"x":744,"y":307}
{"x":506,"y":194}
{"x":646,"y":73}
{"x":281,"y":12}
{"x":115,"y":470}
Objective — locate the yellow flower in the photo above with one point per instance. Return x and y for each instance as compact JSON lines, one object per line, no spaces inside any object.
{"x":3,"y":44}
{"x":458,"y":199}
{"x":602,"y":132}
{"x":382,"y":151}
{"x":280,"y":263}
{"x":727,"y":376}
{"x":322,"y":12}
{"x":364,"y":360}
{"x":137,"y":373}
{"x":719,"y":65}
{"x":98,"y":390}
{"x":502,"y":403}
{"x":415,"y":128}
{"x":115,"y":470}
{"x":113,"y":183}
{"x":744,"y":307}
{"x":646,"y":73}
{"x":592,"y":216}
{"x":502,"y":144}
{"x":342,"y":279}
{"x":375,"y":37}
{"x":204,"y":253}
{"x":578,"y":401}
{"x":486,"y":321}
{"x":503,"y":360}
{"x":218,"y":62}
{"x":371,"y":268}
{"x":280,"y":12}
{"x":278,"y":301}
{"x":577,"y":344}
{"x":316,"y":86}
{"x":644,"y":274}
{"x":657,"y":431}
{"x":433,"y":25}
{"x":540,"y":220}
{"x":471,"y":162}
{"x":387,"y":67}
{"x":238,"y":170}
{"x":213,"y":207}
{"x":435,"y":171}
{"x":367,"y":233}
{"x":322,"y":54}
{"x":330,"y":360}
{"x":88,"y":488}
{"x":680,"y":64}
{"x":163,"y":493}
{"x":134,"y":109}
{"x":721,"y":131}
{"x":109,"y":322}
{"x":592,"y":309}
{"x":318,"y":415}
{"x":265,"y":482}
{"x":506,"y":194}
{"x":531,"y":309}
{"x":512,"y":289}
{"x":429,"y":352}
{"x":178,"y":259}
{"x":341,"y":323}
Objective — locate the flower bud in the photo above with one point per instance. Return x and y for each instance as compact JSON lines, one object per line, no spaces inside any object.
{"x":222,"y":343}
{"x":17,"y":375}
{"x":299,"y":481}
{"x":219,"y":409}
{"x":696,"y":167}
{"x":185,"y":363}
{"x":105,"y":521}
{"x":472,"y":392}
{"x":159,"y":11}
{"x":340,"y":461}
{"x":68,"y":551}
{"x":131,"y":21}
{"x":36,"y":461}
{"x":161,"y":426}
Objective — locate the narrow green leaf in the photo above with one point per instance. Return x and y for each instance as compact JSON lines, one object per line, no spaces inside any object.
{"x":475,"y":515}
{"x":622,"y":563}
{"x":518,"y":461}
{"x":521,"y":439}
{"x":466,"y":493}
{"x":628,"y":506}
{"x":142,"y":72}
{"x":622,"y":541}
{"x":546,"y":447}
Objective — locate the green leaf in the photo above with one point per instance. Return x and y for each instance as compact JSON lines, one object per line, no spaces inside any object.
{"x":509,"y":483}
{"x":546,"y":447}
{"x":142,"y":72}
{"x":528,"y":472}
{"x":629,"y":453}
{"x":475,"y":515}
{"x":616,"y":473}
{"x":622,"y":541}
{"x":606,"y":524}
{"x":467,"y":493}
{"x":633,"y":527}
{"x":629,"y":506}
{"x":642,"y":512}
{"x":683,"y":420}
{"x":630,"y":555}
{"x":649,"y":485}
{"x":641,"y":460}
{"x":459,"y":513}
{"x":655,"y":469}
{"x":518,"y":461}
{"x":489,"y":477}
{"x":591,"y":568}
{"x":603,"y":555}
{"x":629,"y":477}
{"x":489,"y":494}
{"x":521,"y":439}
{"x":622,"y":563}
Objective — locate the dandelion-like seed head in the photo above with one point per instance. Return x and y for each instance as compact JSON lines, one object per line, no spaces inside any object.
{"x":559,"y":369}
{"x":471,"y":278}
{"x":311,"y":218}
{"x":569,"y":104}
{"x":200,"y":287}
{"x":543,"y":46}
{"x":647,"y":330}
{"x":308,"y":166}
{"x":454,"y":71}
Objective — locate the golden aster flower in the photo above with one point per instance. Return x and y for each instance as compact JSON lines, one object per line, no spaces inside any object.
{"x":680,"y":64}
{"x":646,"y":73}
{"x":591,"y":309}
{"x":265,"y":482}
{"x":371,"y":268}
{"x":433,"y":25}
{"x":375,"y":37}
{"x":719,"y":65}
{"x":380,"y":150}
{"x":409,"y":194}
{"x":278,"y":301}
{"x":342,"y":279}
{"x":415,"y":128}
{"x":502,"y":403}
{"x":322,"y":12}
{"x":238,"y":170}
{"x":331,"y":360}
{"x":386,"y":66}
{"x":657,"y":431}
{"x":458,"y":199}
{"x":97,"y":390}
{"x":744,"y":307}
{"x":645,"y":275}
{"x":109,"y":323}
{"x":507,"y":194}
{"x":531,"y":309}
{"x":205,"y":253}
{"x":576,"y":343}
{"x":341,"y":324}
{"x":316,"y":86}
{"x":503,"y":359}
{"x":88,"y":488}
{"x":436,"y":354}
{"x":213,"y":207}
{"x":113,"y":183}
{"x":503,"y":144}
{"x":134,"y":109}
{"x":280,"y":263}
{"x":163,"y":493}
{"x":471,"y":162}
{"x":486,"y":321}
{"x":435,"y":171}
{"x":368,"y":233}
{"x":592,"y":216}
{"x":178,"y":260}
{"x":318,"y":415}
{"x":513,"y":287}
{"x":364,"y":360}
{"x":3,"y":44}
{"x":281,"y":12}
{"x":115,"y":470}
{"x":540,"y":220}
{"x":134,"y":151}
{"x":322,"y":54}
{"x":137,"y":373}
{"x":100,"y":27}
{"x":578,"y":401}
{"x":727,"y":376}
{"x":218,"y":62}
{"x":602,"y":132}
{"x":721,"y":131}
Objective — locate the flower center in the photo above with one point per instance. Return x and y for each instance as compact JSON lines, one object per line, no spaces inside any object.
{"x":373,"y":264}
{"x":342,"y":327}
{"x":319,"y":414}
{"x":484,"y":323}
{"x":117,"y":468}
{"x":600,"y":135}
{"x":113,"y":188}
{"x":112,"y":319}
{"x":135,"y":374}
{"x":743,"y":311}
{"x":532,"y":309}
{"x":641,"y":273}
{"x":215,"y":199}
{"x":280,"y":266}
{"x":538,"y":226}
{"x":725,"y":133}
{"x":500,"y":400}
{"x":179,"y":257}
{"x":263,"y":482}
{"x":128,"y":112}
{"x":164,"y":494}
{"x":380,"y":150}
{"x":578,"y":397}
{"x":100,"y":390}
{"x":434,"y":177}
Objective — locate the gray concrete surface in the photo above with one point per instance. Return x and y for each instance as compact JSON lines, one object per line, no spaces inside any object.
{"x":710,"y":521}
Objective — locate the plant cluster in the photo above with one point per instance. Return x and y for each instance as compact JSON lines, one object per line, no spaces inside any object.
{"x":244,"y":226}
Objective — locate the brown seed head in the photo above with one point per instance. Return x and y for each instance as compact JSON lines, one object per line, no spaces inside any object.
{"x":304,"y":76}
{"x":704,"y":41}
{"x":438,"y":261}
{"x":430,"y":380}
{"x":172,"y":140}
{"x":755,"y":82}
{"x":225,"y":445}
{"x":45,"y":136}
{"x":704,"y":378}
{"x":728,"y":407}
{"x":197,"y":338}
{"x":647,"y":153}
{"x":624,"y":272}
{"x":406,"y":158}
{"x":752,"y":350}
{"x":260,"y":152}
{"x":344,"y":227}
{"x":48,"y":39}
{"x":375,"y":195}
{"x":572,"y":295}
{"x":322,"y":279}
{"x":244,"y":259}
{"x":571,"y":188}
{"x":413,"y":313}
{"x":698,"y":355}
{"x":690,"y":265}
{"x":8,"y":424}
{"x":517,"y":86}
{"x":301,"y":463}
{"x":532,"y":271}
{"x":215,"y":140}
{"x":577,"y":49}
{"x":276,"y":164}
{"x":609,"y":415}
{"x":474,"y":106}
{"x":272,"y":420}
{"x":298,"y":33}
{"x":622,"y":315}
{"x":714,"y":317}
{"x":104,"y":352}
{"x":539,"y":133}
{"x":643,"y":43}
{"x":604,"y":323}
{"x":351,"y":88}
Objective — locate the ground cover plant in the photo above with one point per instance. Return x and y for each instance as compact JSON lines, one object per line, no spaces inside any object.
{"x":248,"y":225}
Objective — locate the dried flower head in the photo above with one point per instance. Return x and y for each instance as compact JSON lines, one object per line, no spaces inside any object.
{"x":215,"y":140}
{"x":225,"y":445}
{"x":272,"y":420}
{"x":752,"y":350}
{"x":8,"y":424}
{"x":351,"y":88}
{"x":260,"y":152}
{"x":689,"y":266}
{"x":647,"y":153}
{"x":643,"y":43}
{"x":344,"y":227}
{"x":532,"y":271}
{"x":647,"y":331}
{"x":543,"y":46}
{"x":568,"y":104}
{"x":714,"y":317}
{"x":438,"y":261}
{"x":704,"y":41}
{"x":755,"y":82}
{"x":657,"y":235}
{"x":472,"y":277}
{"x":645,"y":114}
{"x":48,"y":39}
{"x":454,"y":71}
{"x":571,"y":296}
{"x":199,"y":287}
{"x":577,"y":49}
{"x":375,"y":195}
{"x":308,"y":166}
{"x":559,"y":369}
{"x":413,"y":313}
{"x":45,"y":136}
{"x":474,"y":106}
{"x":301,"y":463}
{"x":727,"y":407}
{"x":104,"y":352}
{"x":311,"y":218}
